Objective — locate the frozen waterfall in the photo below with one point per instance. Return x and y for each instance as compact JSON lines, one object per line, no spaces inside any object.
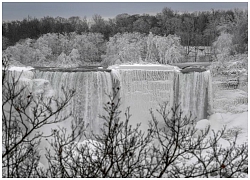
{"x":142,"y":87}
{"x":91,"y":89}
{"x":193,"y":92}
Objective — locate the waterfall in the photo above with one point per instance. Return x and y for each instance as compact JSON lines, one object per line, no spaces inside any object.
{"x":23,"y":77}
{"x":193,"y":92}
{"x":91,"y":89}
{"x":87,"y":104}
{"x":144,"y":89}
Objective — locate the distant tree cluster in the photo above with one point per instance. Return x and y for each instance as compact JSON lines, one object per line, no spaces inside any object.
{"x":139,"y":48}
{"x":126,"y":38}
{"x":55,"y":49}
{"x":194,"y":29}
{"x":73,"y":50}
{"x":33,"y":28}
{"x":233,"y":36}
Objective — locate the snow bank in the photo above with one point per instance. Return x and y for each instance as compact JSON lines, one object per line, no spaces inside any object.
{"x":145,"y":67}
{"x":233,"y":123}
{"x":14,"y":68}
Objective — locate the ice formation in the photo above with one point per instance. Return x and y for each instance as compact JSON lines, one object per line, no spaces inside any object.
{"x":142,"y":87}
{"x":91,"y":93}
{"x":24,"y":69}
{"x":193,"y":91}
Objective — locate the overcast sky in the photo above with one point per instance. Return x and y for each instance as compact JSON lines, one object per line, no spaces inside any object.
{"x":21,"y":10}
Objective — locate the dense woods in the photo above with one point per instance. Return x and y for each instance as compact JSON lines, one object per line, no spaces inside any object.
{"x":83,"y":41}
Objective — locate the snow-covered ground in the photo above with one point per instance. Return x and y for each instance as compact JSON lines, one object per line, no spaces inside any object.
{"x":233,"y":122}
{"x":230,"y":104}
{"x":144,"y":67}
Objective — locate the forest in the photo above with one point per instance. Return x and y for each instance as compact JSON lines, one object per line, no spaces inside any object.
{"x":79,"y":41}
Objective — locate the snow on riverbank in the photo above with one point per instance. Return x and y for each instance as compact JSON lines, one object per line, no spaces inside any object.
{"x":15,"y":68}
{"x":232,"y":122}
{"x":145,"y":67}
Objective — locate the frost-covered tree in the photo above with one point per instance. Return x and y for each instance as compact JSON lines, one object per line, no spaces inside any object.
{"x":124,"y":48}
{"x":233,"y":26}
{"x":165,"y":50}
{"x":23,"y":51}
{"x":74,"y":55}
{"x":90,"y":46}
{"x":87,"y":47}
{"x":223,"y":46}
{"x":138,"y":48}
{"x":240,"y":32}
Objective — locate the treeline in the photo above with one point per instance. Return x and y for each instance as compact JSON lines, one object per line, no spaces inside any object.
{"x":194,"y":29}
{"x":73,"y":50}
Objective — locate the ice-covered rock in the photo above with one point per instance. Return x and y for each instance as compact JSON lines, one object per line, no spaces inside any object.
{"x":234,"y":101}
{"x":232,"y":122}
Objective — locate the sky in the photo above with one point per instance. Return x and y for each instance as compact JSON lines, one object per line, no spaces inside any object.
{"x":20,"y":10}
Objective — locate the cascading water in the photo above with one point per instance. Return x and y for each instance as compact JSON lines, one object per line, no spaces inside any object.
{"x":143,"y":88}
{"x":91,"y":93}
{"x":24,"y":78}
{"x":193,"y":92}
{"x":87,"y":104}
